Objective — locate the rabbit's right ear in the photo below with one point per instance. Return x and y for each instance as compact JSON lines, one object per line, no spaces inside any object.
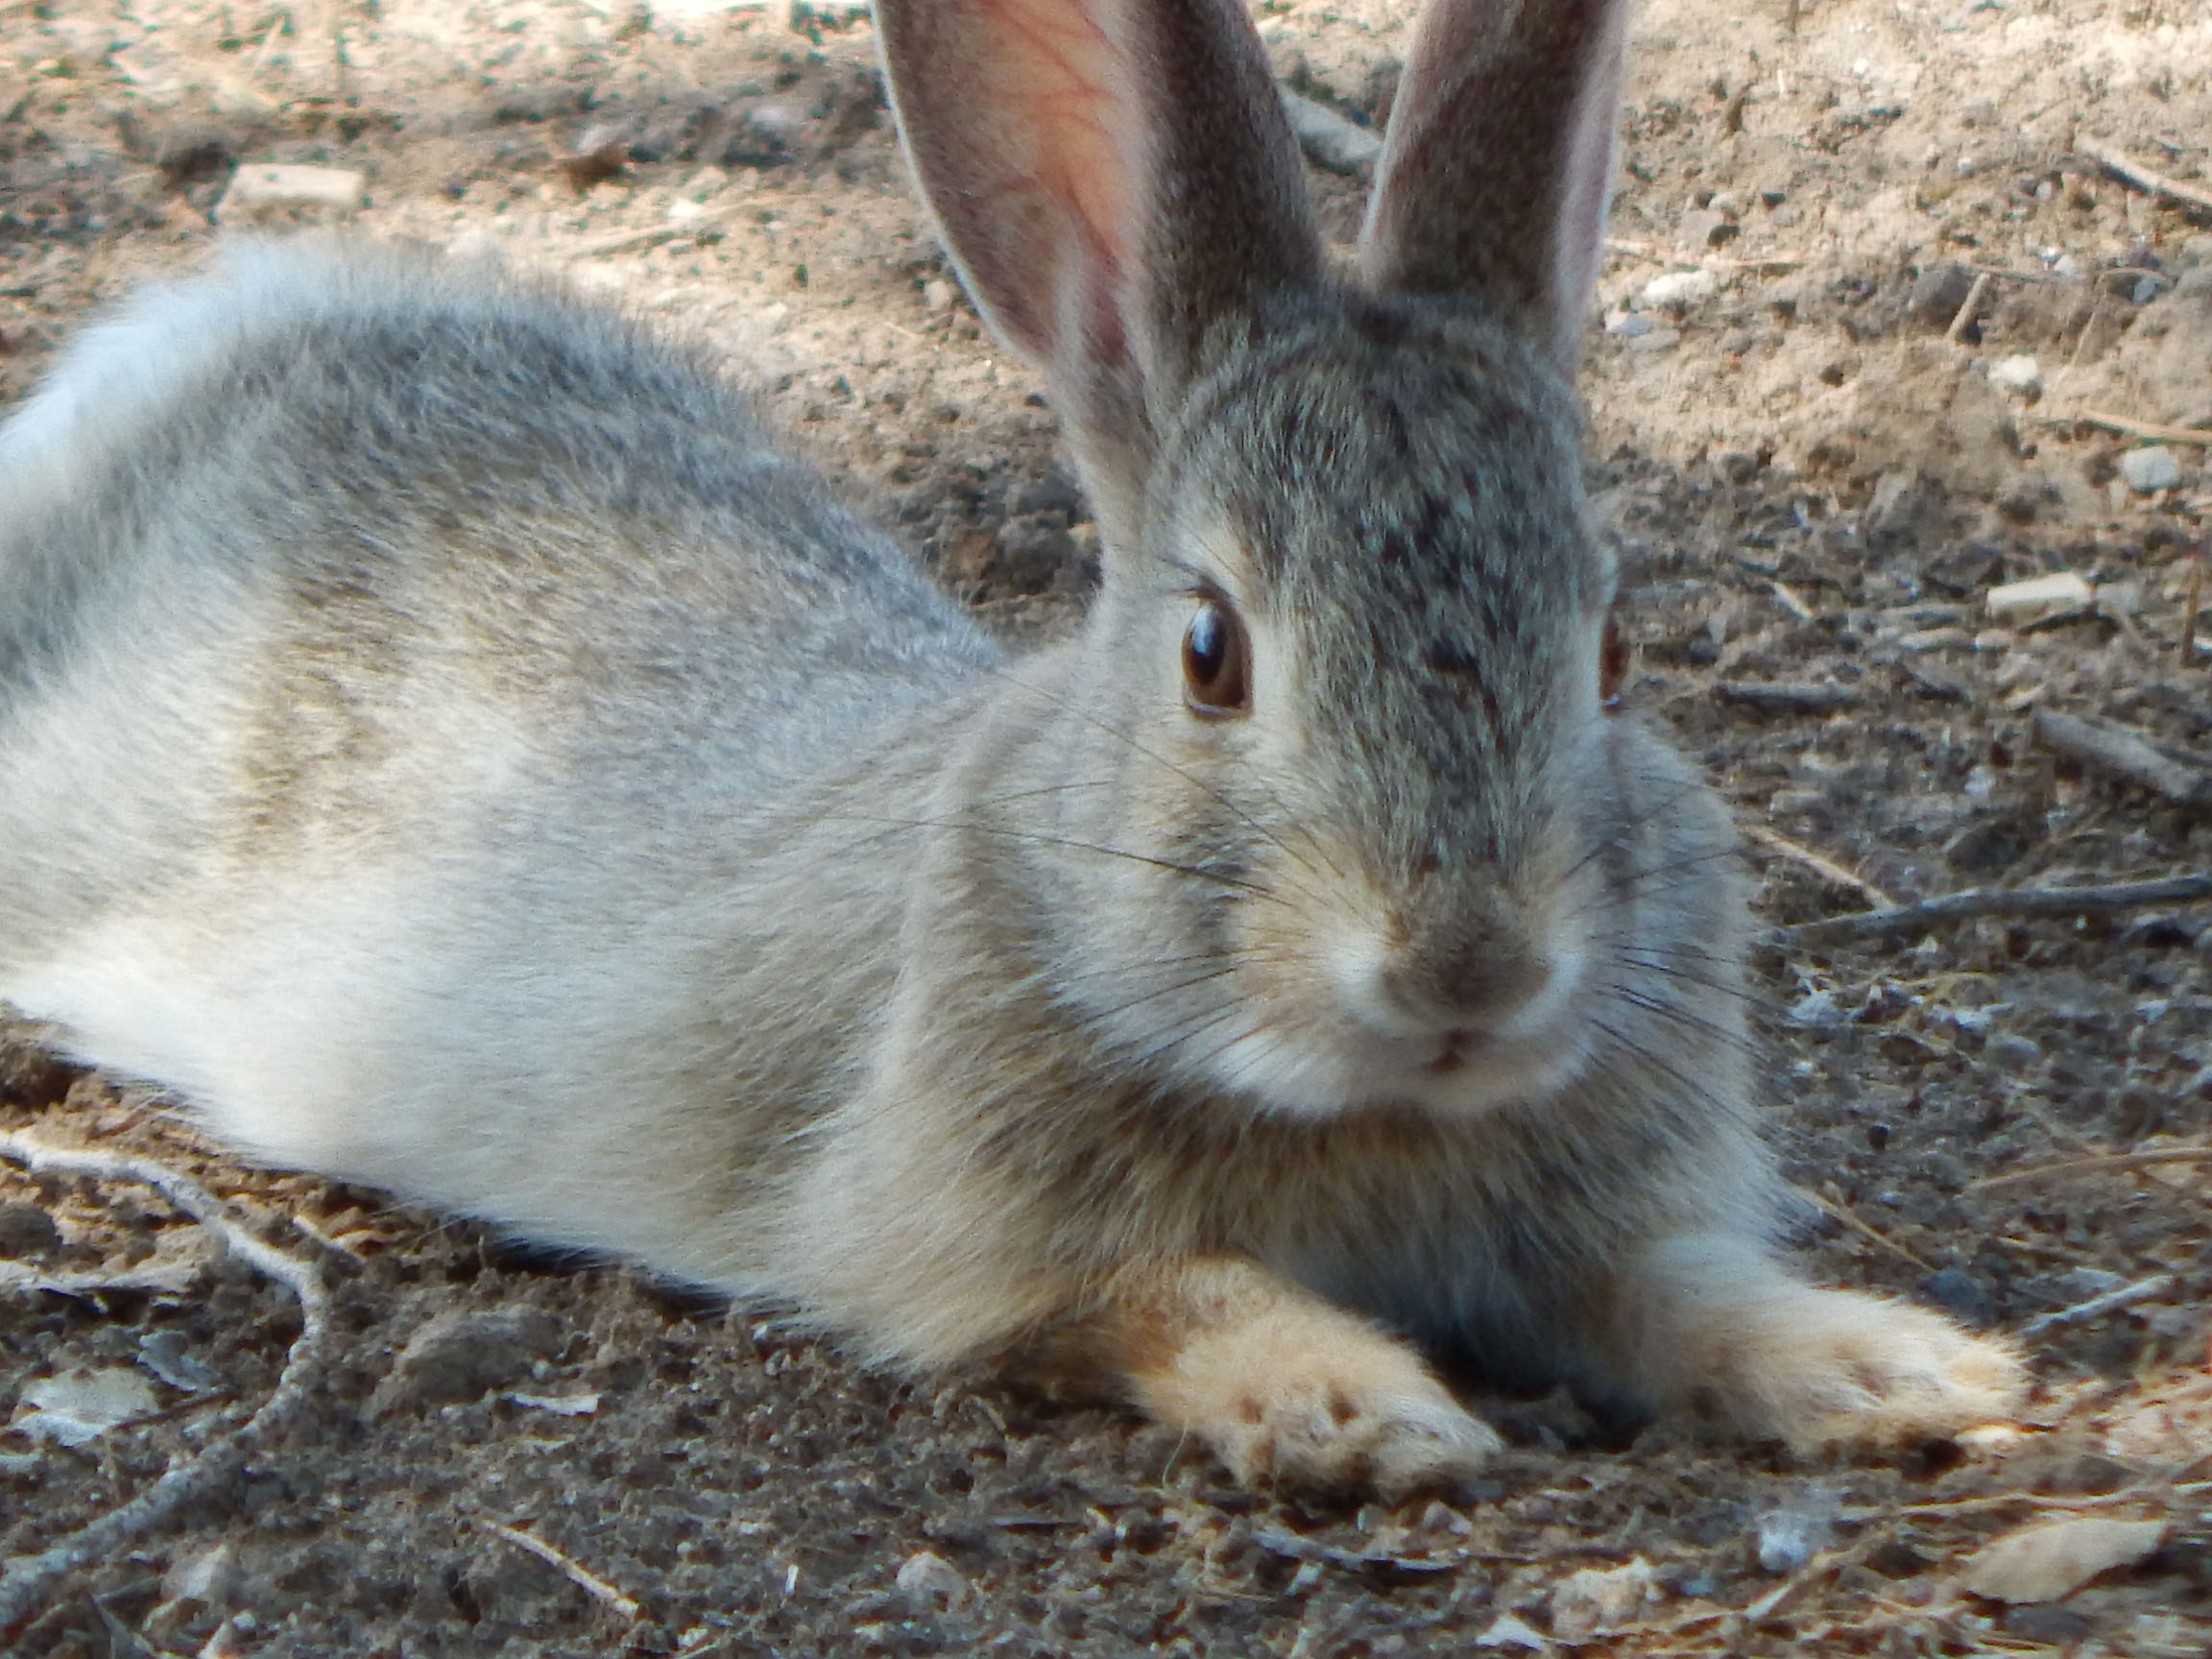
{"x":1114,"y":179}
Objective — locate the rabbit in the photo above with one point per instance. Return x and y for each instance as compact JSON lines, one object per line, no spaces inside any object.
{"x":446,"y":744}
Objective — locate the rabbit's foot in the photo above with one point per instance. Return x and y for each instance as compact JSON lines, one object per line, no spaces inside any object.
{"x":1284,"y":1386}
{"x":1723,"y":1324}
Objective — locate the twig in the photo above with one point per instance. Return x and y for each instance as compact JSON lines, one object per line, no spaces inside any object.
{"x":1823,"y":866}
{"x":1964,"y":318}
{"x":577,"y":1573}
{"x":2115,"y":750}
{"x":2142,"y":1290}
{"x":1327,"y":139}
{"x":2119,"y":1160}
{"x":2191,"y":603}
{"x":2144,"y":1491}
{"x":1771,"y":698}
{"x":629,"y":241}
{"x":2121,"y":424}
{"x":1998,"y":902}
{"x":2144,"y":179}
{"x":1865,"y":1229}
{"x":28,"y":1578}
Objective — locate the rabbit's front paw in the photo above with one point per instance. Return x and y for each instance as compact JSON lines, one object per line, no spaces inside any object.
{"x":1718,"y":1322}
{"x":1842,"y":1368}
{"x":1286,"y":1388}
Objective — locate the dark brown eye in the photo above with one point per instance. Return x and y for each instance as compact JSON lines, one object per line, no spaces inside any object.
{"x":1612,"y":660}
{"x":1217,"y":664}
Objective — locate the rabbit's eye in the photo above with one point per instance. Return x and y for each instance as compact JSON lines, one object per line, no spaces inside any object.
{"x":1612,"y":662}
{"x":1217,"y":676}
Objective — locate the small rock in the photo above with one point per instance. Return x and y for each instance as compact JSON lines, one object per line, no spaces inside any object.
{"x":2151,"y":469}
{"x":1960,"y":1293}
{"x":266,"y":188}
{"x":2011,"y":1052}
{"x":2049,"y":1560}
{"x":27,"y":1230}
{"x":2194,"y":283}
{"x":2019,"y":373}
{"x":1939,"y":292}
{"x":1904,"y":510}
{"x":1508,"y":1631}
{"x":2046,"y":1625}
{"x":1054,"y":491}
{"x":1786,"y":1539}
{"x":938,"y":295}
{"x":2196,"y":251}
{"x":464,"y":1356}
{"x":2040,"y":598}
{"x":1658,"y":340}
{"x":76,"y":1408}
{"x":209,"y":1577}
{"x":932,"y":1584}
{"x":1629,"y":325}
{"x":1598,"y":1598}
{"x":165,"y":1355}
{"x":1678,"y":290}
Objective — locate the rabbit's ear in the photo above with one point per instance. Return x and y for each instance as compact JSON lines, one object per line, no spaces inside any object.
{"x":1499,"y":159}
{"x":1112,"y":178}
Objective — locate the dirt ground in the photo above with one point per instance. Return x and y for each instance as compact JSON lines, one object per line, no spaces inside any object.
{"x":1903,"y":293}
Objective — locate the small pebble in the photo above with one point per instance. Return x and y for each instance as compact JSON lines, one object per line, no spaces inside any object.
{"x":1677,"y":290}
{"x":2018,"y":374}
{"x":2151,"y":469}
{"x":264,"y":186}
{"x":931,"y":1584}
{"x":1787,"y":1539}
{"x":464,"y":1356}
{"x":27,"y":1230}
{"x":2061,"y":593}
{"x":1658,"y":340}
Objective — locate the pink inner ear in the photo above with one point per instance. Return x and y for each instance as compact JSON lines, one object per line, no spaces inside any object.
{"x":1055,"y":124}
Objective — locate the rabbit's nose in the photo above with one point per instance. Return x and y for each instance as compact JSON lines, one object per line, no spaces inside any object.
{"x":1489,"y":979}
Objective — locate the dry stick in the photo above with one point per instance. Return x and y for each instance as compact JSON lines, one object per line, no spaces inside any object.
{"x":2104,"y":747}
{"x":1826,"y":868}
{"x":1327,"y":139}
{"x":1966,"y":313}
{"x":28,"y":1577}
{"x":2142,"y":1290}
{"x":2120,"y":424}
{"x":2116,"y":1161}
{"x":577,"y":1573}
{"x":2143,"y":179}
{"x":2192,"y":602}
{"x":1865,"y":1229}
{"x":1997,"y":901}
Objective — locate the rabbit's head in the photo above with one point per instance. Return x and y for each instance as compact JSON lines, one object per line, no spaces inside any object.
{"x":1365,"y":830}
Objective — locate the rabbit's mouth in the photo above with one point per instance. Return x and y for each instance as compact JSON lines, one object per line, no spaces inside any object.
{"x":1454,"y":1048}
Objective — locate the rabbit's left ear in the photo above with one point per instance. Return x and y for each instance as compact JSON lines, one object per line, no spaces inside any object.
{"x":1497,"y":164}
{"x":1115,"y":178}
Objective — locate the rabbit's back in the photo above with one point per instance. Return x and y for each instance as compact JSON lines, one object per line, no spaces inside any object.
{"x":347,"y":543}
{"x":418,"y":696}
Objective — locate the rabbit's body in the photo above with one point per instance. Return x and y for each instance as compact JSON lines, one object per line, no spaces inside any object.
{"x":444,"y":742}
{"x":393,"y":771}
